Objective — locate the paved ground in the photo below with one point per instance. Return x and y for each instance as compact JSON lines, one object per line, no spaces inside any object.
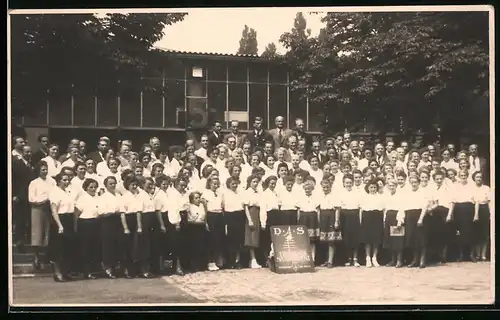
{"x":465,"y":283}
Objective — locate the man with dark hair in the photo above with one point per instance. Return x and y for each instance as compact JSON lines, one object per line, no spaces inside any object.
{"x":18,"y":143}
{"x":239,"y":138}
{"x":43,"y":152}
{"x":301,"y":134}
{"x":102,"y":148}
{"x":215,"y":137}
{"x":258,"y":136}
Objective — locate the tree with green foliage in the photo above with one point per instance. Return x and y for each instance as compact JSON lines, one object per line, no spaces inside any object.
{"x":58,"y":50}
{"x":429,"y":69}
{"x":248,"y":42}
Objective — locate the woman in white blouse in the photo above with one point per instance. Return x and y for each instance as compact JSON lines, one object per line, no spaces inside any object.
{"x":350,"y":223}
{"x":177,"y":218}
{"x":80,"y":170}
{"x":448,"y":162}
{"x":414,"y":209}
{"x":90,"y":167}
{"x":110,"y":208}
{"x":53,"y":164}
{"x":252,"y":202}
{"x":288,"y":202}
{"x":74,"y":153}
{"x":196,"y":233}
{"x":38,"y":196}
{"x":372,"y":222}
{"x":482,"y":215}
{"x":393,"y":243}
{"x":308,"y":214}
{"x":160,"y":225}
{"x":463,"y":214}
{"x":234,"y":217}
{"x":212,"y":153}
{"x":329,"y":219}
{"x":270,"y":214}
{"x":61,"y":244}
{"x":441,"y":229}
{"x":87,"y":210}
{"x":315,"y":171}
{"x":212,"y":200}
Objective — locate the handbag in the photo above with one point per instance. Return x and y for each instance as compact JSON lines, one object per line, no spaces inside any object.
{"x":397,"y":231}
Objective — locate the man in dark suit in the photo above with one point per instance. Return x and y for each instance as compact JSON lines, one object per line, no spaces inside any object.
{"x":22,"y":174}
{"x":301,"y":133}
{"x":102,"y":148}
{"x":43,"y":152}
{"x":478,"y":163}
{"x":380,"y":155}
{"x":235,"y":133}
{"x":258,"y":137}
{"x":215,"y":137}
{"x":280,"y":134}
{"x":318,"y":153}
{"x":337,"y":143}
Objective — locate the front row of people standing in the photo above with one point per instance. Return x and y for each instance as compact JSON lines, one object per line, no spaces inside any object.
{"x":136,"y":228}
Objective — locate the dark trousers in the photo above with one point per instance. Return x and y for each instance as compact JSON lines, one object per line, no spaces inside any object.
{"x":196,"y":234}
{"x":89,"y":244}
{"x":62,"y":245}
{"x":21,"y":221}
{"x":158,"y":242}
{"x":144,"y":239}
{"x":111,"y":230}
{"x":235,"y":238}
{"x":216,"y":235}
{"x":129,"y":242}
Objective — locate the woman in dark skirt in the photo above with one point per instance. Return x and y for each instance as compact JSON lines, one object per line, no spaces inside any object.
{"x":270,"y":214}
{"x":212,"y":200}
{"x":329,"y":217}
{"x":463,"y":214}
{"x":132,"y":204}
{"x":110,"y":209}
{"x":482,"y":215}
{"x":308,"y":206}
{"x":393,"y":243}
{"x":196,"y":233}
{"x":252,"y":202}
{"x":87,"y":210}
{"x":372,"y":222}
{"x":350,"y":223}
{"x":60,"y":247}
{"x":288,"y":202}
{"x":160,"y":242}
{"x":441,"y":229}
{"x":234,"y":216}
{"x":415,"y":205}
{"x":38,"y":196}
{"x":145,"y":222}
{"x":176,"y":228}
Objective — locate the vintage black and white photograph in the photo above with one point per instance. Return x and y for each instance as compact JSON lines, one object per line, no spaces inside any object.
{"x":251,"y":156}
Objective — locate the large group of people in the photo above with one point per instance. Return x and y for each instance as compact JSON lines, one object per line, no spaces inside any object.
{"x":121,"y":213}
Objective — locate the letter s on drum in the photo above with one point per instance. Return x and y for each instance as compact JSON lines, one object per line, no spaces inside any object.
{"x":300,"y":230}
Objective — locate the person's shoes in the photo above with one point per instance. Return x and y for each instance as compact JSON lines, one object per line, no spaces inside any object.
{"x":90,"y":276}
{"x":473,"y":258}
{"x":127,"y":274}
{"x":147,"y":275}
{"x":212,"y":267}
{"x":412,"y":265}
{"x":238,"y":265}
{"x":356,"y":263}
{"x":391,"y":264}
{"x":109,"y":274}
{"x":179,"y":272}
{"x":399,"y":265}
{"x":329,"y":265}
{"x":422,"y":265}
{"x":348,"y":263}
{"x":368,"y":262}
{"x":375,"y":262}
{"x":255,"y":265}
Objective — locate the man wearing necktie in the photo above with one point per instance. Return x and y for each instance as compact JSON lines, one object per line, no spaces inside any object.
{"x":280,"y":134}
{"x":380,"y":155}
{"x":258,"y":136}
{"x":235,"y":133}
{"x":478,"y":163}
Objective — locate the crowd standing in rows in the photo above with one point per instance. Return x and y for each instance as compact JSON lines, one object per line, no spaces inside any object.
{"x":112,"y":210}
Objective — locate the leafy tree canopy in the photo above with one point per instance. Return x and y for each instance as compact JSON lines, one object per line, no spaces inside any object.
{"x":248,"y":41}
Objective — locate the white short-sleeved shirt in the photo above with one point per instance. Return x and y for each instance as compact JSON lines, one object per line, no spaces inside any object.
{"x":350,"y":200}
{"x":214,"y":200}
{"x":372,"y":202}
{"x":177,"y":202}
{"x":463,"y":193}
{"x":69,"y":163}
{"x":114,"y":203}
{"x":53,"y":166}
{"x":63,"y":199}
{"x":270,"y":200}
{"x":482,"y":194}
{"x":161,"y":201}
{"x":88,"y":205}
{"x":40,"y":189}
{"x":328,"y":201}
{"x":411,"y":200}
{"x":443,"y":195}
{"x":393,"y":201}
{"x":148,"y":202}
{"x":232,"y":201}
{"x":252,"y":197}
{"x":288,"y":200}
{"x":308,"y":203}
{"x":304,"y":165}
{"x":449,"y":165}
{"x":317,"y":175}
{"x":196,"y":214}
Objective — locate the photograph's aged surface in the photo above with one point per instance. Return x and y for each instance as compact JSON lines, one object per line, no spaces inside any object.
{"x":252,"y":156}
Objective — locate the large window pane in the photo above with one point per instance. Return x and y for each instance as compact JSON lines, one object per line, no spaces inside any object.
{"x":174,"y":103}
{"x":277,"y":74}
{"x":152,"y":103}
{"x":174,"y":70}
{"x":84,"y":106}
{"x":237,"y":97}
{"x":197,"y":115}
{"x":216,"y":101}
{"x":237,"y":72}
{"x":298,"y":108}
{"x":107,"y":108}
{"x":130,"y":105}
{"x":258,"y":73}
{"x":258,"y":102}
{"x":216,"y":71}
{"x":277,"y":103}
{"x":60,"y":105}
{"x":196,"y":88}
